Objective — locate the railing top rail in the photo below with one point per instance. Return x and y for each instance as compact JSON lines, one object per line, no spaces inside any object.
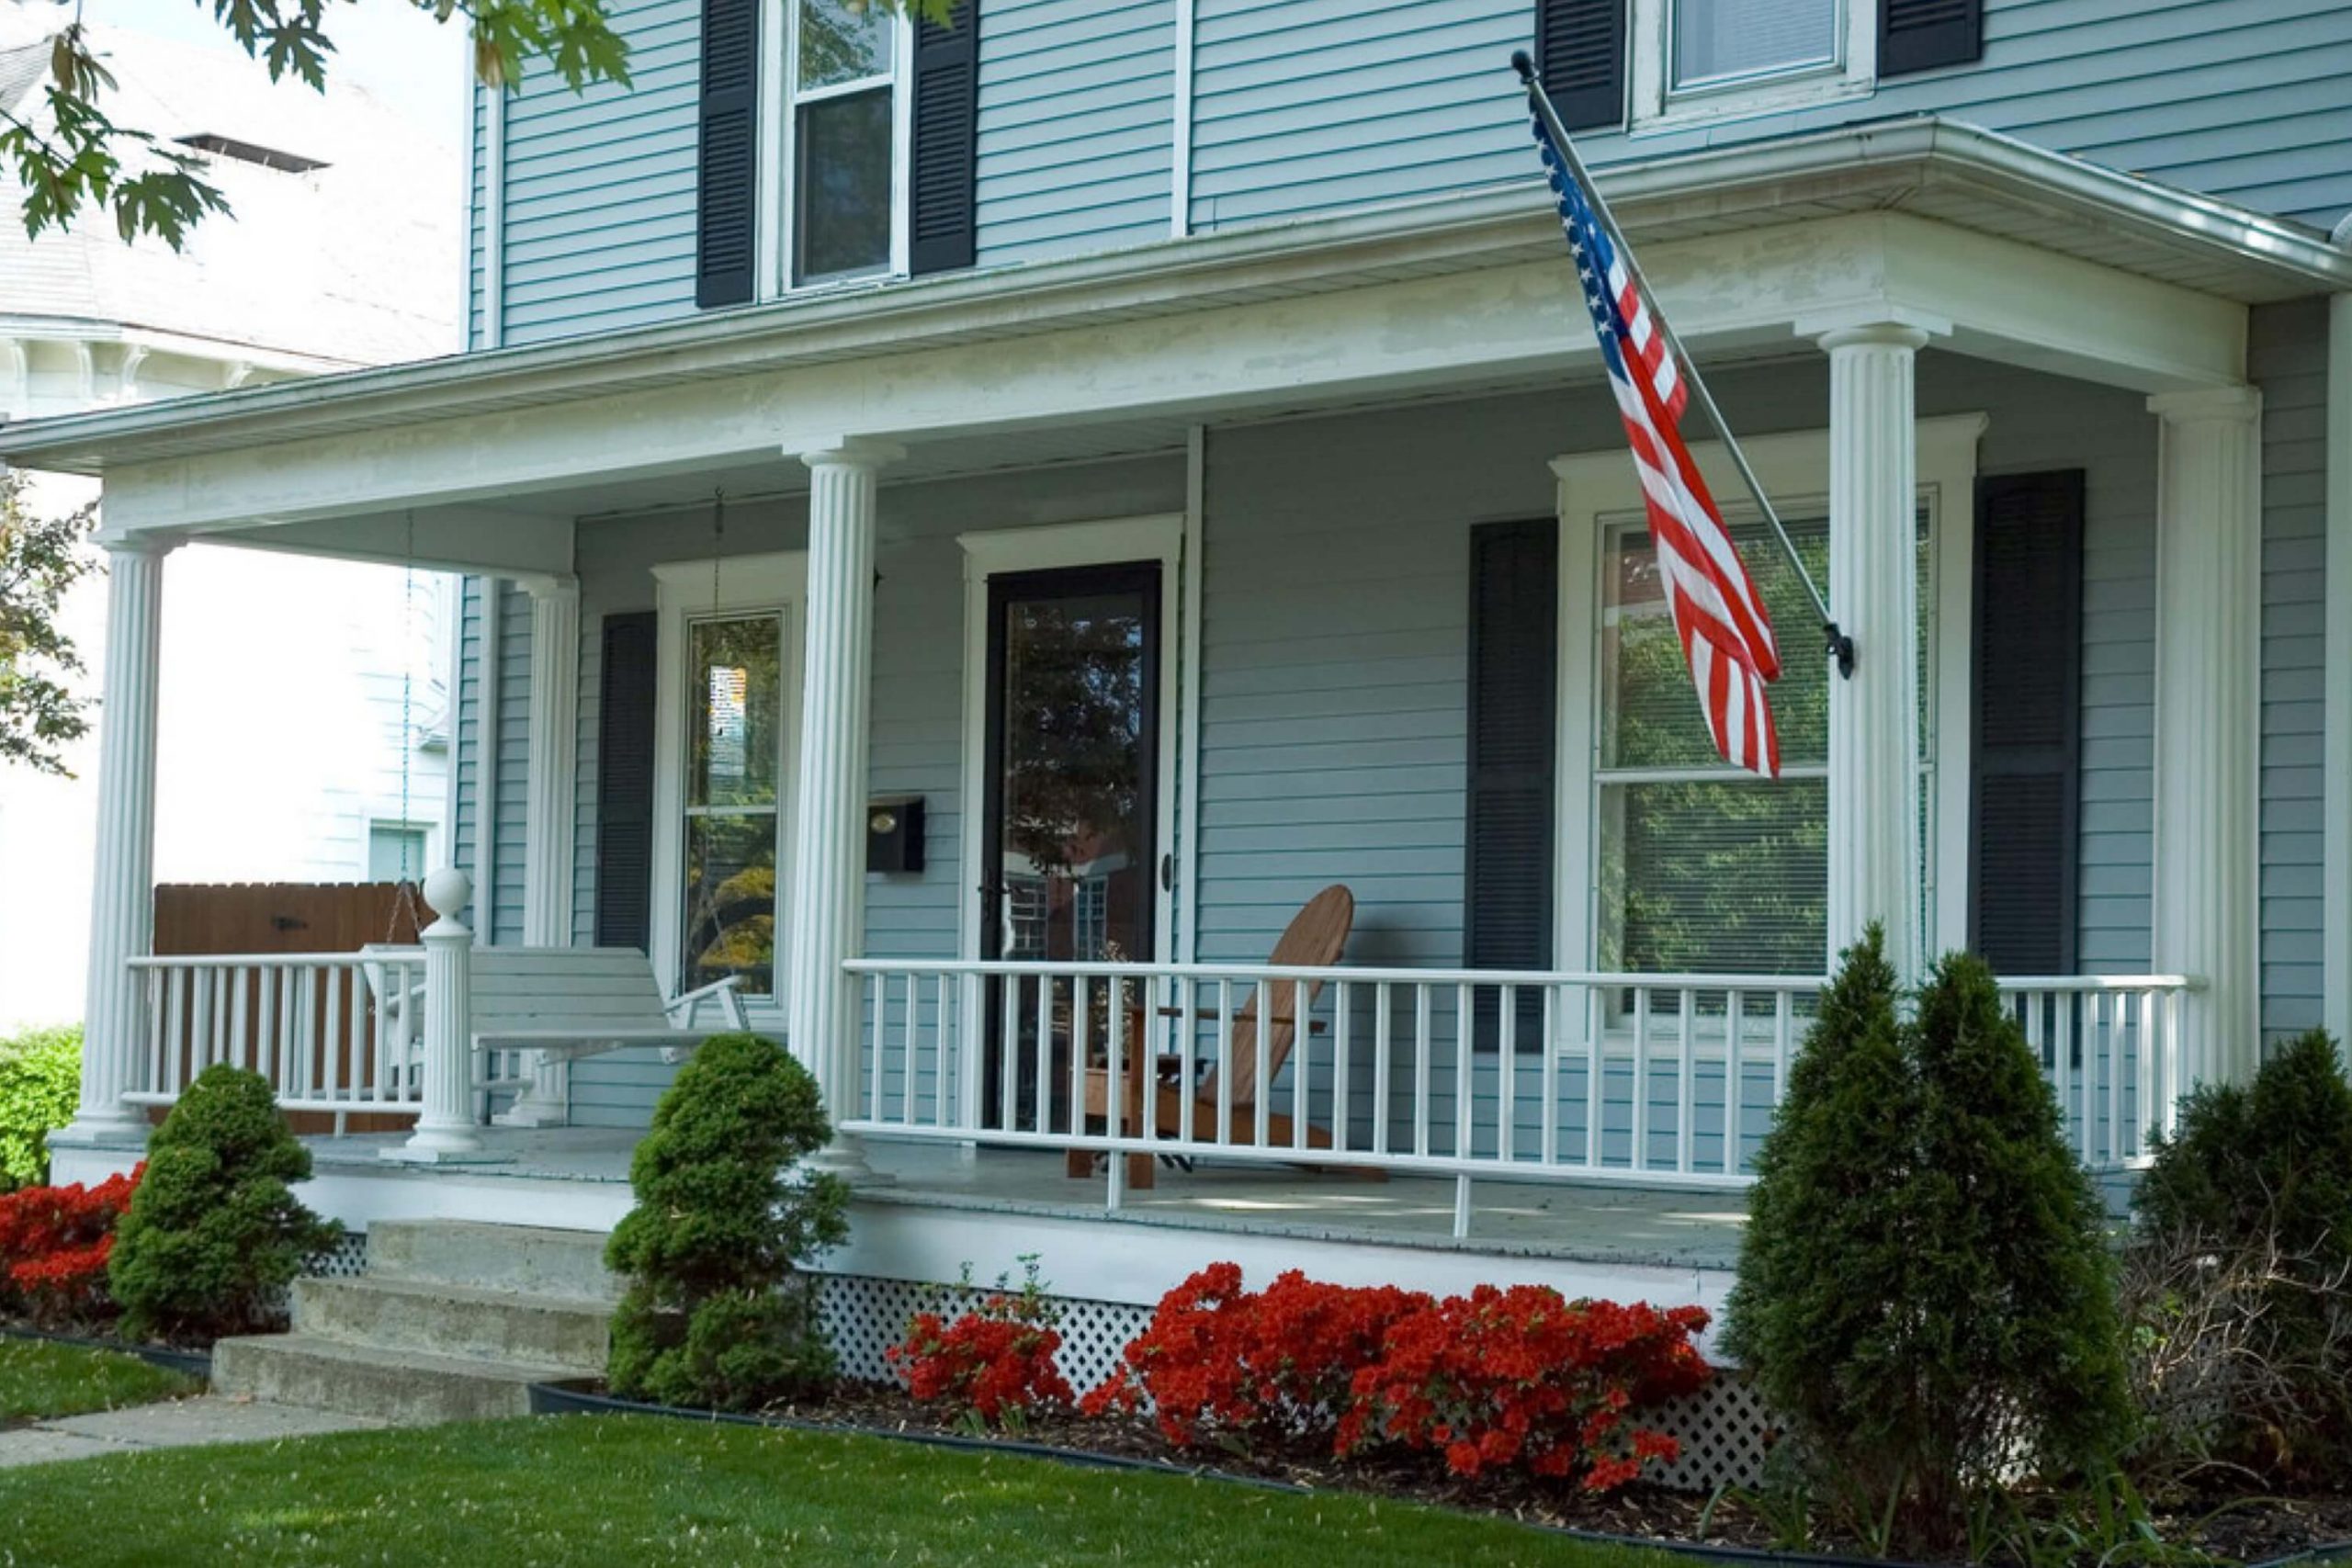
{"x":1359,"y":974}
{"x":2101,"y":982}
{"x":271,"y":960}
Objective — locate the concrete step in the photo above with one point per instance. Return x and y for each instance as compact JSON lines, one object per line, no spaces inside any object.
{"x":393,"y":1313}
{"x":522,"y":1259}
{"x":409,"y":1387}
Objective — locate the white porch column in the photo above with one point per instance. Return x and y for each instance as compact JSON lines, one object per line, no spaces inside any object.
{"x":828,"y":896}
{"x":122,"y":911}
{"x":2208,"y":722}
{"x":548,"y":818}
{"x":1875,"y":873}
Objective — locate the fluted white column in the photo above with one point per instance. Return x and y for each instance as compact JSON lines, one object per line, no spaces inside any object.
{"x":123,"y":912}
{"x":1875,"y":873}
{"x":827,"y":882}
{"x":2208,"y":721}
{"x":548,"y":817}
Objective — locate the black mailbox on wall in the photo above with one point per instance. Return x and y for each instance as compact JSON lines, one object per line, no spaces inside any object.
{"x":894,"y":833}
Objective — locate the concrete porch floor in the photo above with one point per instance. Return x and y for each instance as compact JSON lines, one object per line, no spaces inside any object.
{"x":1591,"y":1222}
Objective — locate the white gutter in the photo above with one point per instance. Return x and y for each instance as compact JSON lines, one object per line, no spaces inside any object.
{"x":1166,"y":278}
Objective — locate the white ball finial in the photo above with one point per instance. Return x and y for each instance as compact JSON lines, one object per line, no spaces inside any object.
{"x":447,"y":891}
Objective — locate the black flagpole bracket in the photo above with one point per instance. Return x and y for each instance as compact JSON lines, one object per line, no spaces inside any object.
{"x":1841,"y":648}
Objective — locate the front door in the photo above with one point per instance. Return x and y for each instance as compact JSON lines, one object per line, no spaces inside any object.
{"x":1069,"y":857}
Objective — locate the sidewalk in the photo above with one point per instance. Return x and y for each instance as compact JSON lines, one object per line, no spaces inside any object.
{"x":173,"y":1423}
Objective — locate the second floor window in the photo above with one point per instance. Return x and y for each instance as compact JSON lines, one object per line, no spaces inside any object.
{"x":843,"y":130}
{"x":1718,"y":43}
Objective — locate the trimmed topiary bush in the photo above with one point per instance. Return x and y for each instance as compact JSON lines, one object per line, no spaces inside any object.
{"x":2255,"y":1190}
{"x":1924,"y":1287}
{"x":214,"y":1234}
{"x":40,"y":1081}
{"x":717,"y":1313}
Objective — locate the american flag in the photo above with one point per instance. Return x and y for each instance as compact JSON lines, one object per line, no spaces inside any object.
{"x":1726,"y":635}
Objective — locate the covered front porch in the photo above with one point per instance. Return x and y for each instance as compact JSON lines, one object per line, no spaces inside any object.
{"x":1334,"y":548}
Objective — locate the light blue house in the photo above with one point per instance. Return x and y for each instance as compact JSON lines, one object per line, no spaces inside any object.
{"x":971,"y":529}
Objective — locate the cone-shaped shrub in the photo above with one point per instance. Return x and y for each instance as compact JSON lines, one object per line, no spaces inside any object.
{"x":214,"y":1234}
{"x":1924,"y":1290}
{"x":715,"y":1313}
{"x":2259,"y":1179}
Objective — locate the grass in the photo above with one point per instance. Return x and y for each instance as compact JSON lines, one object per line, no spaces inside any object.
{"x":622,"y":1489}
{"x":38,"y":1379}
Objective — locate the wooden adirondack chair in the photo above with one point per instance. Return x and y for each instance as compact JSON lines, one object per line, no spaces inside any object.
{"x":1315,"y":939}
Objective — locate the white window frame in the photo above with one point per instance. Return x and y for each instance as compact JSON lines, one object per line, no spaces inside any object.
{"x":393,"y":820}
{"x":780,"y":99}
{"x":1008,"y":550}
{"x":1658,"y":105}
{"x":1597,"y":487}
{"x":746,"y":585}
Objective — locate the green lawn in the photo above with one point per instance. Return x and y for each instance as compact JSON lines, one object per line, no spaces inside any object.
{"x":40,"y":1379}
{"x":567,"y":1490}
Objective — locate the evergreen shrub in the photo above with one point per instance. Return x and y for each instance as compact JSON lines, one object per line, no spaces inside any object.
{"x":716,"y":1312}
{"x":1924,"y":1290}
{"x":2254,"y":1192}
{"x":214,"y":1234}
{"x":40,"y":1081}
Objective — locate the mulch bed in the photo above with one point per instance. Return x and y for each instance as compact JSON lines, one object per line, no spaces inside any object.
{"x":2255,"y":1529}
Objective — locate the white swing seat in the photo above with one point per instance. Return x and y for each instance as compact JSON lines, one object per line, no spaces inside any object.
{"x":562,"y":1002}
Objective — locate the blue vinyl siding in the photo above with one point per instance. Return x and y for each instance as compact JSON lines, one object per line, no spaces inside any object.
{"x":1077,"y":125}
{"x":2288,"y":356}
{"x":476,"y":211}
{"x":600,"y":203}
{"x":465,"y":730}
{"x":514,"y":742}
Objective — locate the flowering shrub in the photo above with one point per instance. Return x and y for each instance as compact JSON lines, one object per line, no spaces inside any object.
{"x":995,"y":1362}
{"x":54,"y":1244}
{"x":1525,"y":1376}
{"x":1499,"y":1378}
{"x":1223,"y":1365}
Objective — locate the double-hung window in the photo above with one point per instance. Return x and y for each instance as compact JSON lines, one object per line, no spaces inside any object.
{"x":1702,"y":60}
{"x":842,"y":128}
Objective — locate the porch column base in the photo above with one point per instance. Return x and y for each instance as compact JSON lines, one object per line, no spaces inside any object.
{"x":464,"y":1151}
{"x":845,"y":1158}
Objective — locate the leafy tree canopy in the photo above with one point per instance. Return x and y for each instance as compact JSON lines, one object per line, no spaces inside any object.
{"x":39,"y":559}
{"x":70,"y":154}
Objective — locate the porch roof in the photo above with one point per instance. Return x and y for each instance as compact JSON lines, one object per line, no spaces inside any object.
{"x":2168,"y":273}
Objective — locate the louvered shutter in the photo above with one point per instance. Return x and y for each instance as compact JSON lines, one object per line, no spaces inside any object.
{"x":1580,"y":49}
{"x":2025,"y":750}
{"x":727,"y":181}
{"x":624,"y":744}
{"x":1514,"y":640}
{"x":1921,"y":34}
{"x":940,"y":190}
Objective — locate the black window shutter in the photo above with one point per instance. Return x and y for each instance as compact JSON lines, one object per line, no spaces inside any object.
{"x":1580,"y":49}
{"x":2026,"y":744}
{"x":727,"y":189}
{"x":1921,"y":34}
{"x":625,"y":782}
{"x":1514,"y":640}
{"x":941,"y":196}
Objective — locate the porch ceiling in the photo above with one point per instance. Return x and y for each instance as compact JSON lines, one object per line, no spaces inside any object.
{"x":2008,"y":253}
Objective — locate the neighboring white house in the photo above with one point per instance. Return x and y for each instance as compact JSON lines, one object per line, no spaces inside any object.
{"x":303,"y":705}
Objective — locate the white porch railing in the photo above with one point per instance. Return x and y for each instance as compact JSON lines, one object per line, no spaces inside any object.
{"x":309,"y":1023}
{"x":1640,"y":1080}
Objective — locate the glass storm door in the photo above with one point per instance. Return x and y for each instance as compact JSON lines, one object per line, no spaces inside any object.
{"x":1069,"y":859}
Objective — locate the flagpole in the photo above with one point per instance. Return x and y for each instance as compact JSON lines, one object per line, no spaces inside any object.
{"x":1840,"y":646}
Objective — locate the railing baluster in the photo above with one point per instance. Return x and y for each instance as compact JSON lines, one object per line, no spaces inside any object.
{"x":1384,"y":1025}
{"x":1686,"y":1104}
{"x":1081,"y":1029}
{"x":2104,"y":1039}
{"x":1466,"y":1087}
{"x":1641,"y":1078}
{"x":1596,"y":1103}
{"x":1421,"y":1132}
{"x":1261,"y":1094}
{"x":1041,"y":1071}
{"x":1188,"y":1071}
{"x":1342,"y":1041}
{"x":1547,"y":1071}
{"x":156,"y":981}
{"x":1735,"y":1077}
{"x":1302,"y":1061}
{"x":237,"y":1016}
{"x":1224,"y":1062}
{"x":1507,"y":1072}
{"x":1007,"y":1053}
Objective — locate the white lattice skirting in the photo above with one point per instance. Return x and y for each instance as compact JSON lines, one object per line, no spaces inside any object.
{"x":1722,"y":1430}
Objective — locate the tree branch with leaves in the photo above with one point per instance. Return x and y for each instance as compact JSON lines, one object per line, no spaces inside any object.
{"x":40,"y":560}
